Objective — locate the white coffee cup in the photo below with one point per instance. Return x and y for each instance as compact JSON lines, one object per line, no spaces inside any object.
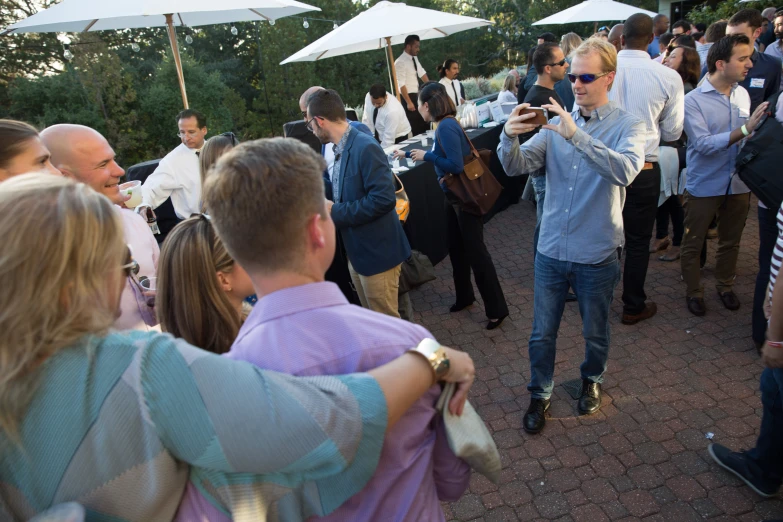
{"x":132,"y":189}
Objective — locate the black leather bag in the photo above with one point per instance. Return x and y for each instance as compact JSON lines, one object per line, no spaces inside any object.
{"x":759,"y":160}
{"x":416,"y":270}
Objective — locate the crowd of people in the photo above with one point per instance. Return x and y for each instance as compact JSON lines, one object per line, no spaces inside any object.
{"x":223,"y":375}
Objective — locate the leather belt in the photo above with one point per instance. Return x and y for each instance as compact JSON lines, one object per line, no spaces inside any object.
{"x":648,"y":166}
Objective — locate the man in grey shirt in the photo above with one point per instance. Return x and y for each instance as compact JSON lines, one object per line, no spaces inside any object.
{"x":590,"y":156}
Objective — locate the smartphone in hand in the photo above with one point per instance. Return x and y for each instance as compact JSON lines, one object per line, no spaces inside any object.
{"x":541,"y":115}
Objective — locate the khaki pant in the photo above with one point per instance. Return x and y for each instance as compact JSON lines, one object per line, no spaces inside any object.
{"x":378,"y":292}
{"x":732,"y":212}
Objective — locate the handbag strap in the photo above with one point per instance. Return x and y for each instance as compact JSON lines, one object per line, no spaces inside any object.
{"x":402,"y":187}
{"x":473,"y":150}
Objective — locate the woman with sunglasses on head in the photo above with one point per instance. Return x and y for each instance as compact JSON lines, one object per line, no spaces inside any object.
{"x":21,"y":150}
{"x":467,"y":250}
{"x":201,"y":290}
{"x":122,"y":422}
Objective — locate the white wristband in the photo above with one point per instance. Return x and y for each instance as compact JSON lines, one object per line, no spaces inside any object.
{"x":745,"y":130}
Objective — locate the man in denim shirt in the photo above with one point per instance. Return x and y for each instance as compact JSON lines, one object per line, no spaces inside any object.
{"x":590,"y":156}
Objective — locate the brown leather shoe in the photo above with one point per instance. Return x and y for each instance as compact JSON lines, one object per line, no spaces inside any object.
{"x":730,"y":300}
{"x":696,"y":306}
{"x":650,"y":309}
{"x":660,"y":244}
{"x":712,"y":233}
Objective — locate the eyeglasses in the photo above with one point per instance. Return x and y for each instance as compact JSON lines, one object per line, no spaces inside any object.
{"x":585,"y":78}
{"x":559,"y":64}
{"x":234,"y":140}
{"x":309,"y":125}
{"x":187,"y":134}
{"x":131,"y":267}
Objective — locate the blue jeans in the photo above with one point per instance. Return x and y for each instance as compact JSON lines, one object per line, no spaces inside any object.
{"x":594,"y":286}
{"x":539,"y":185}
{"x":766,"y":459}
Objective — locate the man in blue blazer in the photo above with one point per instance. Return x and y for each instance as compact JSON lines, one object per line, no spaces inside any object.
{"x":362,"y":205}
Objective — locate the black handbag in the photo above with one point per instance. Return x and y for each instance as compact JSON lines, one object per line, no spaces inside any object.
{"x":416,"y":270}
{"x":758,"y":161}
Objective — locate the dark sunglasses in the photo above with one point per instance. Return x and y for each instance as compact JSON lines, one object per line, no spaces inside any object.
{"x":559,"y":64}
{"x":585,"y":78}
{"x":234,"y":140}
{"x":603,"y":28}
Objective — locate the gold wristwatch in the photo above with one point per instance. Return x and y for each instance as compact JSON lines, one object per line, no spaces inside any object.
{"x":435,"y":355}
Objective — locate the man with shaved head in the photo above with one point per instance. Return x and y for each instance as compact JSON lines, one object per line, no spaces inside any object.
{"x":84,"y":154}
{"x":654,"y":93}
{"x":615,"y":37}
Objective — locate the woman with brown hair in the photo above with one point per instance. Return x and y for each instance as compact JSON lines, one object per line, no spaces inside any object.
{"x":21,"y":150}
{"x":466,"y":231}
{"x":685,"y":60}
{"x":201,"y":290}
{"x":212,"y":150}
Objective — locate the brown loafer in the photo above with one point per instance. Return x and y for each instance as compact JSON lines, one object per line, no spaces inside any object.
{"x":730,"y":300}
{"x":650,"y":309}
{"x":660,"y":244}
{"x":696,"y":306}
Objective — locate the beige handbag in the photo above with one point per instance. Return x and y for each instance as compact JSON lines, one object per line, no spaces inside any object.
{"x":469,"y":438}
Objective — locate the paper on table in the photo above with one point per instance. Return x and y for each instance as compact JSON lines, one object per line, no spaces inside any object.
{"x":392,"y":148}
{"x":397,"y":170}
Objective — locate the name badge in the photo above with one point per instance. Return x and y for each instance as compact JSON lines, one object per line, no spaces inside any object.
{"x":757,"y":82}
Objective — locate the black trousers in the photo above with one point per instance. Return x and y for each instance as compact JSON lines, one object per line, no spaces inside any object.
{"x":418,"y":125}
{"x":670,"y":208}
{"x":641,"y":207}
{"x":768,"y":235}
{"x":467,"y":251}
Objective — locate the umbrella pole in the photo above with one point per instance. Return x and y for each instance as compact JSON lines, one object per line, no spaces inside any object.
{"x":393,"y":68}
{"x":595,"y":27}
{"x":177,"y":60}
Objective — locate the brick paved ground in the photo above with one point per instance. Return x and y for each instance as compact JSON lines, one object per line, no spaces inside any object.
{"x":671,"y":379}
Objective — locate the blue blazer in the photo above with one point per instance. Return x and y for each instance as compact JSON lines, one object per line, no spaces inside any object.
{"x":327,"y":182}
{"x":366,"y":214}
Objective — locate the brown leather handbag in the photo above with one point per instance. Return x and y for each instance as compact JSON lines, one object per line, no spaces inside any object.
{"x":476,"y":187}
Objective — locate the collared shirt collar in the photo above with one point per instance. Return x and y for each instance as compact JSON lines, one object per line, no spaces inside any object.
{"x":296,"y":299}
{"x":601,"y":112}
{"x":707,"y":86}
{"x":340,"y":146}
{"x":633,"y":53}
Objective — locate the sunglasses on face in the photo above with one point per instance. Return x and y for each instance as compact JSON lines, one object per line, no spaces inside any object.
{"x":559,"y":64}
{"x":585,"y":78}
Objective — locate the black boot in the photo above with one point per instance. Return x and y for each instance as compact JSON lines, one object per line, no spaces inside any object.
{"x":535,"y":417}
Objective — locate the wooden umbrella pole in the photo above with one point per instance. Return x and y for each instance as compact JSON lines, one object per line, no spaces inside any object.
{"x":177,"y":60}
{"x":393,"y":67}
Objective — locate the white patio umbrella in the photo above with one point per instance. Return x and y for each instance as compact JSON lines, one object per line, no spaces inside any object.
{"x":91,"y":15}
{"x":594,"y":11}
{"x":383,"y":25}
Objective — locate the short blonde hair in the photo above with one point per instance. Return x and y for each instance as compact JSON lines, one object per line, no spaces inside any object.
{"x":60,"y":242}
{"x":605,"y":51}
{"x":569,"y":42}
{"x":260,"y":197}
{"x":190,"y":303}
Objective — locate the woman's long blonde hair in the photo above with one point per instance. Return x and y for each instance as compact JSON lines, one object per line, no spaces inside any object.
{"x":569,"y":42}
{"x":212,"y":150}
{"x":61,"y":241}
{"x":189,"y":302}
{"x":510,"y":84}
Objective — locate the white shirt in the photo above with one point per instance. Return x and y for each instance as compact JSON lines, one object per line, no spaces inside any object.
{"x":450,"y":86}
{"x":178,"y":177}
{"x":135,"y":314}
{"x":507,"y":97}
{"x":406,"y":74}
{"x":391,"y":122}
{"x":329,"y":158}
{"x":652,"y":92}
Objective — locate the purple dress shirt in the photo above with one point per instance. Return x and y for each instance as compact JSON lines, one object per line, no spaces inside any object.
{"x":313,"y":330}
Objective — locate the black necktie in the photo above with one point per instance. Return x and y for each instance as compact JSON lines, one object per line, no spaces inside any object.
{"x":456,"y":96}
{"x":416,"y":71}
{"x":374,"y":118}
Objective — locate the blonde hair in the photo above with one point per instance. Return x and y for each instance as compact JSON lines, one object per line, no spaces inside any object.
{"x":261,"y":195}
{"x":213,"y":148}
{"x":190,"y":302}
{"x":60,"y":242}
{"x":510,"y":84}
{"x":569,"y":42}
{"x":605,"y":51}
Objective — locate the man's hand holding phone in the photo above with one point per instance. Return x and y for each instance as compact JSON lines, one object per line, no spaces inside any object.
{"x":567,"y":126}
{"x":518,"y":123}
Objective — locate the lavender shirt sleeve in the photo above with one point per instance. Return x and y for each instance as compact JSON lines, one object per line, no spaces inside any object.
{"x":452,"y":474}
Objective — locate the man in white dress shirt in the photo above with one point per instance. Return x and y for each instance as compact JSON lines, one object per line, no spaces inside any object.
{"x":409,"y":70}
{"x":385,"y":117}
{"x":177,"y":175}
{"x":654,"y":93}
{"x":448,"y":77}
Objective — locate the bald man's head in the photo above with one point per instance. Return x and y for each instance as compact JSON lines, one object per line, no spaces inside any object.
{"x":306,"y":96}
{"x":615,"y":37}
{"x":84,"y":154}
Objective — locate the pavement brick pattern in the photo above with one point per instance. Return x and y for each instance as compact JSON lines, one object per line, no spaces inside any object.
{"x":671,"y":380}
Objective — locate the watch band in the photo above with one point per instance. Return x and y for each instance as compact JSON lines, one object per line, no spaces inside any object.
{"x":435,"y":355}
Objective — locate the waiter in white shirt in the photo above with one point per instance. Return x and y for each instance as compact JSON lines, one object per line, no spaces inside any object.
{"x":448,"y":77}
{"x":177,"y":175}
{"x":409,"y":70}
{"x":385,"y":117}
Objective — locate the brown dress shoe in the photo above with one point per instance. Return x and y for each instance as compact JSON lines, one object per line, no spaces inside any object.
{"x":650,"y":309}
{"x":660,"y":244}
{"x":730,"y":300}
{"x":696,"y":306}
